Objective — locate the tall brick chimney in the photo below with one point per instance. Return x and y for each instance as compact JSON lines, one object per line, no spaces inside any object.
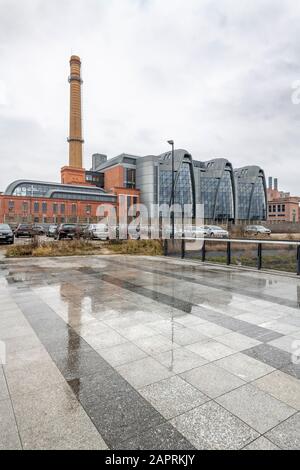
{"x":75,"y":137}
{"x":74,"y":173}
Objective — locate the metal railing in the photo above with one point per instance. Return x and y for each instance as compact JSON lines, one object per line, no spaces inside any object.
{"x":178,"y":247}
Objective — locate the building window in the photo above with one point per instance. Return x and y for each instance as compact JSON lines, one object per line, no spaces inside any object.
{"x":36,"y":207}
{"x":274,"y":208}
{"x":130,"y":174}
{"x":88,"y":209}
{"x":283,"y":207}
{"x":11,"y":205}
{"x":74,"y":209}
{"x":279,"y":208}
{"x":62,"y":208}
{"x":25,"y":206}
{"x":44,"y":207}
{"x":55,"y":208}
{"x":270,"y":208}
{"x":36,"y":220}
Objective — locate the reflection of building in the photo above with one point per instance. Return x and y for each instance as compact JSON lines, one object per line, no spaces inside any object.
{"x":282,"y":206}
{"x":251,"y":193}
{"x":215,"y":189}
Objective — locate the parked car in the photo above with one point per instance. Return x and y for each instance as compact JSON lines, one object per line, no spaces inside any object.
{"x":24,"y":230}
{"x":70,"y":231}
{"x":195,"y":231}
{"x":38,"y":229}
{"x":256,"y":229}
{"x":214,"y":231}
{"x":96,"y":231}
{"x":6,"y":234}
{"x":51,"y":232}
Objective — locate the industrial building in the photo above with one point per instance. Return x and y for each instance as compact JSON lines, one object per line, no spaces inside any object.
{"x":227,"y":195}
{"x":282,"y":207}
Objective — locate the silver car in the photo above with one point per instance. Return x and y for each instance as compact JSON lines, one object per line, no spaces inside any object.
{"x":98,"y":231}
{"x":214,"y":231}
{"x":256,"y":229}
{"x":195,"y":231}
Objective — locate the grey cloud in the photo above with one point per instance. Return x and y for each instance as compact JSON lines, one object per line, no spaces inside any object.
{"x":214,"y":75}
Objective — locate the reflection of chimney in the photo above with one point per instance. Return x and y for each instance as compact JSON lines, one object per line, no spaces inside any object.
{"x":75,"y":138}
{"x":276,"y":184}
{"x":270,"y":182}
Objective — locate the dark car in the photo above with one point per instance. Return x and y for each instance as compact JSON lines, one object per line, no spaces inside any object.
{"x":67,"y":231}
{"x":38,"y":229}
{"x":52,"y":230}
{"x":6,"y":234}
{"x":24,"y":230}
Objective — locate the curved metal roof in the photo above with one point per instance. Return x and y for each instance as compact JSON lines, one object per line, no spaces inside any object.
{"x":15,"y":184}
{"x":103,"y":196}
{"x":249,"y":171}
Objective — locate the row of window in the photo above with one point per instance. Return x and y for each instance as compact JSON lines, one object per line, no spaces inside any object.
{"x":56,"y":208}
{"x":276,"y":207}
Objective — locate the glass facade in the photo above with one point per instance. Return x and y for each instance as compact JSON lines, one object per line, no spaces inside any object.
{"x":251,"y":195}
{"x":183,"y":186}
{"x":83,"y":197}
{"x":216,"y":193}
{"x":258,"y":209}
{"x":35,"y":189}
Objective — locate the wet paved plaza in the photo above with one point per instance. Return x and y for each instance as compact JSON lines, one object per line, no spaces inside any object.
{"x":122,"y":352}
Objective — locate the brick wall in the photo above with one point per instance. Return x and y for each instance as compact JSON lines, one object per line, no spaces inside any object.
{"x":17,"y":209}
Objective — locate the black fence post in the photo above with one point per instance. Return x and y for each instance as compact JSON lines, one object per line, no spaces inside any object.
{"x":228,"y":253}
{"x":165,"y":247}
{"x":259,"y":256}
{"x":298,"y":260}
{"x":182,"y":248}
{"x":203,"y":252}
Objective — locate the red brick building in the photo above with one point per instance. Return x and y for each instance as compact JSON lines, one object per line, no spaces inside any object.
{"x":282,"y":206}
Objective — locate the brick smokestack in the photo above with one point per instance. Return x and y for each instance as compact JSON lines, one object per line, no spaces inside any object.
{"x":75,"y":137}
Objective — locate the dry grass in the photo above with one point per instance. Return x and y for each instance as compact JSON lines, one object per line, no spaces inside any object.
{"x":62,"y":248}
{"x":137,"y":247}
{"x":84,"y":247}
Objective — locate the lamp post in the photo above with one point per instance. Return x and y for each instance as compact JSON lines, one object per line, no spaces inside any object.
{"x":171,"y":142}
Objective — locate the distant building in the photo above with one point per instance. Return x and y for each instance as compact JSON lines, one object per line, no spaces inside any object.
{"x":215,"y":189}
{"x":251,"y":193}
{"x":281,"y":205}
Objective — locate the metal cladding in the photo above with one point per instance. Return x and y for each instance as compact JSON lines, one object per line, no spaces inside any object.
{"x":75,"y":137}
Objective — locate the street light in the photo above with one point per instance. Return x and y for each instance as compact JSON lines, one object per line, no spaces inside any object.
{"x":171,"y":142}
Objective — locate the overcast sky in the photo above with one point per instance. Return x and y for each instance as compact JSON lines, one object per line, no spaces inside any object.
{"x":216,"y":76}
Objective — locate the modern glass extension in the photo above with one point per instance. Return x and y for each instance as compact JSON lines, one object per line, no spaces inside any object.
{"x":216,"y":190}
{"x":251,"y":193}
